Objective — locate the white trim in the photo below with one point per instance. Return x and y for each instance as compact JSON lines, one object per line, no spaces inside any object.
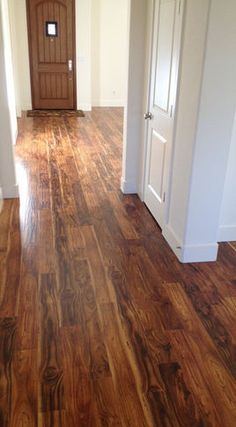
{"x":15,"y":136}
{"x":227,"y":233}
{"x":172,"y":240}
{"x":1,"y":199}
{"x":200,"y":253}
{"x":26,"y":107}
{"x":190,"y":253}
{"x":85,"y":107}
{"x":11,"y":192}
{"x":128,"y":187}
{"x":108,"y":103}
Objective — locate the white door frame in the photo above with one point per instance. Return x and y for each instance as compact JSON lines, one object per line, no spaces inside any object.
{"x":136,"y":145}
{"x":151,"y":65}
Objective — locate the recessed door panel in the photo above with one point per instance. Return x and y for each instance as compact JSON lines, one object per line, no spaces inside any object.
{"x":164,"y":53}
{"x":51,"y":26}
{"x":157,"y":161}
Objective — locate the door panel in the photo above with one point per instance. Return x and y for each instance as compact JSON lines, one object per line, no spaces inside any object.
{"x":51,"y":30}
{"x":163,"y":87}
{"x":158,"y":147}
{"x":164,"y":53}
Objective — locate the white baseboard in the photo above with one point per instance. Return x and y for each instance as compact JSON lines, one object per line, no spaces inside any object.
{"x":200,"y":253}
{"x":11,"y":192}
{"x":1,"y":199}
{"x":108,"y":103}
{"x":128,"y":187}
{"x":172,"y":240}
{"x":26,"y":107}
{"x":15,"y":136}
{"x":227,"y":233}
{"x":190,"y":253}
{"x":84,"y":107}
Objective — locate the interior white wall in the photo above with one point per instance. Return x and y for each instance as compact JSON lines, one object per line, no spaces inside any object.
{"x":136,"y":93}
{"x":7,"y":110}
{"x":9,"y":68}
{"x":195,"y":205}
{"x":1,"y":198}
{"x":194,"y":36}
{"x":20,"y":52}
{"x":227,"y":229}
{"x":83,"y":53}
{"x":109,"y":52}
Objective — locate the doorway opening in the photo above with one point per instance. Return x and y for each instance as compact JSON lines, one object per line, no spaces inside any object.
{"x":51,"y":35}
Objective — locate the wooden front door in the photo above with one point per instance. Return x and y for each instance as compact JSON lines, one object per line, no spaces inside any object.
{"x":51,"y":29}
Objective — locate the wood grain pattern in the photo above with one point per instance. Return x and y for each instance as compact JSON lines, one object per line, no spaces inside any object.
{"x":100,"y":325}
{"x":7,"y":341}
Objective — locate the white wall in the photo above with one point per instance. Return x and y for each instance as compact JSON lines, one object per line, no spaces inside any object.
{"x":195,"y":204}
{"x":20,"y":54}
{"x":7,"y":126}
{"x":227,"y":229}
{"x":190,"y":80}
{"x":83,"y":53}
{"x":9,"y":68}
{"x":138,"y":59}
{"x":1,"y":199}
{"x":109,"y":52}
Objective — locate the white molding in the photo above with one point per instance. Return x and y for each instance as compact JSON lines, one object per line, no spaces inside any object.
{"x":108,"y":103}
{"x":26,"y":107}
{"x":173,"y":240}
{"x":11,"y":192}
{"x":190,"y":253}
{"x":200,"y":253}
{"x":84,"y":107}
{"x":15,"y":136}
{"x":227,"y":233}
{"x":1,"y":199}
{"x":128,"y":187}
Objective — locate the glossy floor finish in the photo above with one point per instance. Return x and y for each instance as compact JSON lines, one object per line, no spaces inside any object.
{"x":99,"y":323}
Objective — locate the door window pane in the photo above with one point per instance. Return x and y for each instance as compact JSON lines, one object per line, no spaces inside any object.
{"x":51,"y":29}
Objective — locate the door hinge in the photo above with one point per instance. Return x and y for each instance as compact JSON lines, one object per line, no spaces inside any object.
{"x":171,"y":110}
{"x":164,"y":197}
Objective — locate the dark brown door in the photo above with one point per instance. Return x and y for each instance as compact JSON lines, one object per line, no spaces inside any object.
{"x":51,"y":28}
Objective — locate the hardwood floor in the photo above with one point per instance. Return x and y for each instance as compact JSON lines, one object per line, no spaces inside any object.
{"x":100,"y":325}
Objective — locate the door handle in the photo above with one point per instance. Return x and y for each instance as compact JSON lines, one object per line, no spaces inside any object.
{"x":70,"y":65}
{"x":148,"y":116}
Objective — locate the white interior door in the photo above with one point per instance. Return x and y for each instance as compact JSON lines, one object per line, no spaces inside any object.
{"x":163,"y":87}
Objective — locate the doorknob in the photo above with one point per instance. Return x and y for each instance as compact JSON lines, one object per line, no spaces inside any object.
{"x":148,"y":116}
{"x":70,"y":65}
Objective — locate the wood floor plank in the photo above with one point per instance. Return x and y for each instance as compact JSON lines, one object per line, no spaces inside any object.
{"x":50,"y":360}
{"x":79,"y":402}
{"x":7,"y":343}
{"x":215,"y":372}
{"x":195,"y":379}
{"x":24,"y":394}
{"x":133,"y":410}
{"x":9,"y":288}
{"x":27,"y":333}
